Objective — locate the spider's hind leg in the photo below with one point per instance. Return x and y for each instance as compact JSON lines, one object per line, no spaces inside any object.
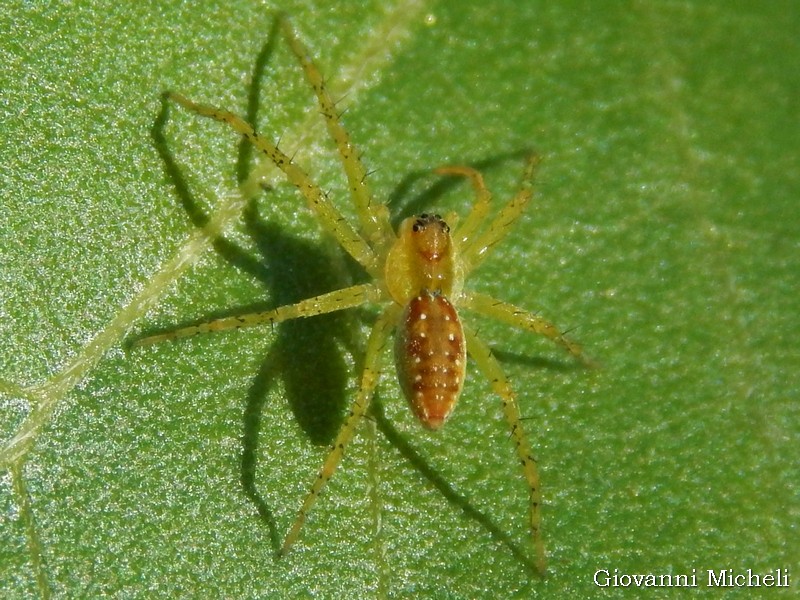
{"x":522,"y":319}
{"x":377,"y":341}
{"x":349,"y":297}
{"x":491,"y":369}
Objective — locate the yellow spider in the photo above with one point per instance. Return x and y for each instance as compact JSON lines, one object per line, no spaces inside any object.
{"x":417,"y":277}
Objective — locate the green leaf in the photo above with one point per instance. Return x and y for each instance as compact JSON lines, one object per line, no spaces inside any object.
{"x":664,"y":229}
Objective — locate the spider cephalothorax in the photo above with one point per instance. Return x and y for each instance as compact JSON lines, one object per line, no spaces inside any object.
{"x":421,"y":258}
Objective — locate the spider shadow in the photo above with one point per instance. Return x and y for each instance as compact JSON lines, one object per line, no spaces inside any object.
{"x":305,"y":354}
{"x":544,"y":363}
{"x":423,"y":467}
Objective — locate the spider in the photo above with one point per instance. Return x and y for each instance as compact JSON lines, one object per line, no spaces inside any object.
{"x":417,"y":276}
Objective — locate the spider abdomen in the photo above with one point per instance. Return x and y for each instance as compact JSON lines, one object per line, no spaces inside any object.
{"x":431,"y":357}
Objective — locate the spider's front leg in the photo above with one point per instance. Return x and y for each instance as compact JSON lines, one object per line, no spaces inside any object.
{"x":474,"y":246}
{"x":463,"y":234}
{"x":329,"y":217}
{"x":373,"y":217}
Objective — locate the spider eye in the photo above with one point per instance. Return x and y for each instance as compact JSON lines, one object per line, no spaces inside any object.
{"x":424,"y":220}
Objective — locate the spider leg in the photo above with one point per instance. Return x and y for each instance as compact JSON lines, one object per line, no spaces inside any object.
{"x":491,"y":369}
{"x":325,"y":303}
{"x":475,"y":250}
{"x":373,"y":217}
{"x":369,"y":379}
{"x":477,"y":215}
{"x":330,"y":218}
{"x":522,"y":319}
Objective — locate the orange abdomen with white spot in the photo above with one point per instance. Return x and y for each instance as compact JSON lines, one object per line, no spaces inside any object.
{"x":431,"y":357}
